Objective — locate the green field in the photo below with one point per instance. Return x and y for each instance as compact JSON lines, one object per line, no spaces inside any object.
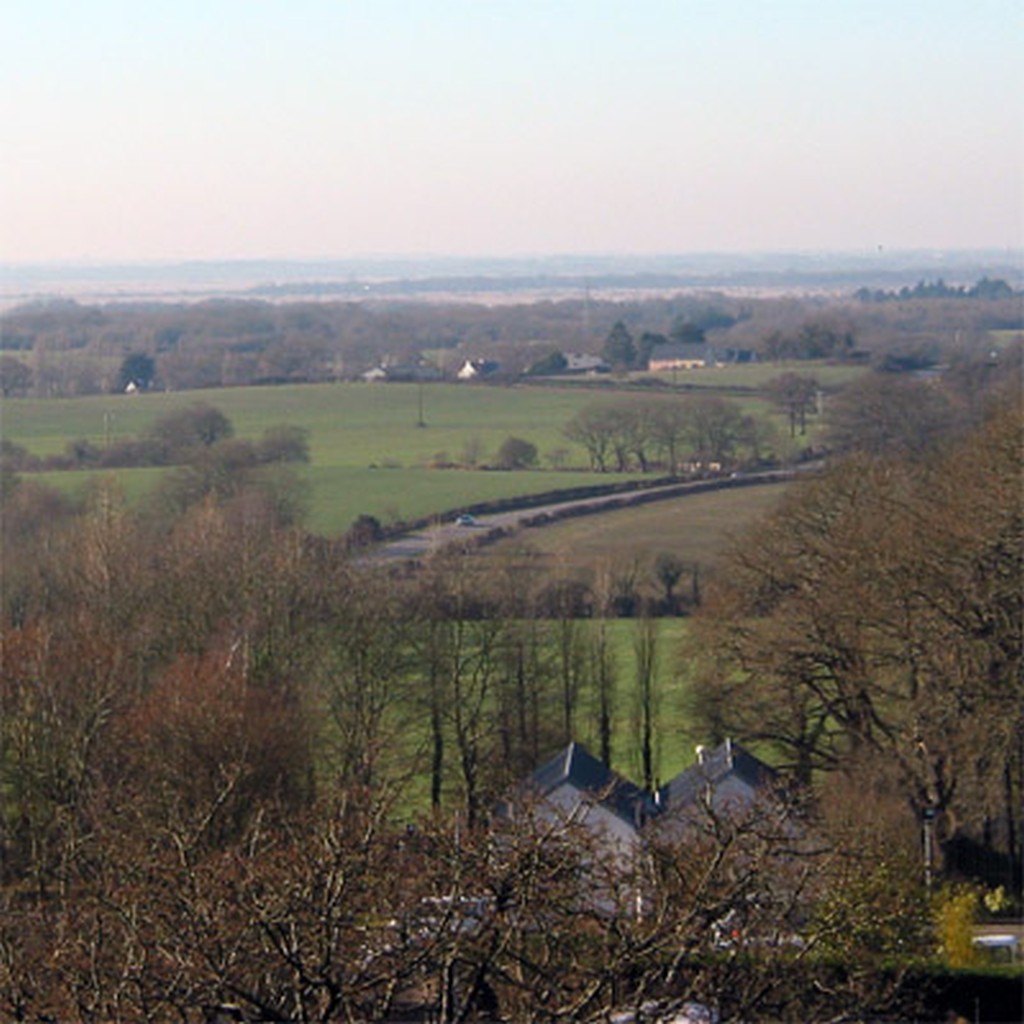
{"x":696,"y":529}
{"x":673,"y":740}
{"x":753,"y":376}
{"x":673,"y":744}
{"x":368,"y":453}
{"x":349,"y":424}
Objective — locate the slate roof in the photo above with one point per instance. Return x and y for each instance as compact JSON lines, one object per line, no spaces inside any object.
{"x":713,"y":767}
{"x":682,"y":350}
{"x":581,"y":362}
{"x":576,"y":766}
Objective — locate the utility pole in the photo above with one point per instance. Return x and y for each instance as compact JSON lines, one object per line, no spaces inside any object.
{"x":928,"y":838}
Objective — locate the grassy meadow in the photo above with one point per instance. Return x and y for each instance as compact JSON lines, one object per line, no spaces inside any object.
{"x":368,"y":453}
{"x":696,"y":529}
{"x":673,"y":742}
{"x":753,"y":376}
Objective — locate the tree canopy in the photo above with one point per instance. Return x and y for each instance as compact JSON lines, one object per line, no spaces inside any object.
{"x":876,"y":619}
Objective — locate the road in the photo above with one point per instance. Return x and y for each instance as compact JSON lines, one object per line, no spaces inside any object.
{"x":424,"y":543}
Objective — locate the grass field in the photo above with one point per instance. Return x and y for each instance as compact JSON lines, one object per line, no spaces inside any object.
{"x":673,"y":744}
{"x":349,"y":424}
{"x":673,"y":741}
{"x":361,"y":436}
{"x":695,"y":529}
{"x":757,"y":375}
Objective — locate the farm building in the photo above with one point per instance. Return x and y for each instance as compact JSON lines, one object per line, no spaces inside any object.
{"x":681,"y":356}
{"x":696,"y":355}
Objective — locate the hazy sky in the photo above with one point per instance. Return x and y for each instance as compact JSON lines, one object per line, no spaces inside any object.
{"x":172,"y":129}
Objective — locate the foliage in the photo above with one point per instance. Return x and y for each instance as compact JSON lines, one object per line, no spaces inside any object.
{"x":365,"y":530}
{"x":685,"y":332}
{"x":985,"y":288}
{"x":883,"y":414}
{"x":619,"y":348}
{"x":872,"y":906}
{"x":956,"y":912}
{"x":813,"y":340}
{"x":138,"y":370}
{"x":516,"y":453}
{"x":797,"y":395}
{"x":553,"y":362}
{"x":200,"y":424}
{"x":645,"y":434}
{"x":75,"y":349}
{"x":15,"y":376}
{"x":876,"y":620}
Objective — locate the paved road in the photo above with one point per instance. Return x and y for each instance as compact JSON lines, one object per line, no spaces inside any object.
{"x":423,"y":543}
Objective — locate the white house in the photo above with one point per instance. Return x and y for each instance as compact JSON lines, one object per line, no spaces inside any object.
{"x":681,"y":356}
{"x":473,"y":369}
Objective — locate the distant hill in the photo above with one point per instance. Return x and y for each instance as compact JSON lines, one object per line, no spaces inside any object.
{"x":472,"y":278}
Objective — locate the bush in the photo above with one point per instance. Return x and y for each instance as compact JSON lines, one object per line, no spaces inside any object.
{"x":283,"y":443}
{"x":364,"y":531}
{"x":956,"y":912}
{"x":515,"y":453}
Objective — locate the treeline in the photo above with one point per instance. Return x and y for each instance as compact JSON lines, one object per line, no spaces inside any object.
{"x":195,"y":434}
{"x":986,"y":288}
{"x":63,"y":348}
{"x":667,"y":434}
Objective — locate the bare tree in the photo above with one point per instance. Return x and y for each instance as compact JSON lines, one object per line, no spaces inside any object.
{"x":645,"y":654}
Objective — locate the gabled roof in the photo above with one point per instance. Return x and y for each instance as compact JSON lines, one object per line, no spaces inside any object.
{"x":713,"y":767}
{"x":583,"y":361}
{"x":577,"y":767}
{"x":477,"y":368}
{"x":681,"y":350}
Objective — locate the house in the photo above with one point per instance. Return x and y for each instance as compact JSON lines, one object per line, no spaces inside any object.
{"x":475,"y":369}
{"x":681,"y":356}
{"x":403,"y":372}
{"x":576,"y":786}
{"x":584,"y":363}
{"x":621,"y":820}
{"x":728,"y":778}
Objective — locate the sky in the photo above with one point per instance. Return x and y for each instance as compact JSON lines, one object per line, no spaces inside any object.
{"x":139,"y":130}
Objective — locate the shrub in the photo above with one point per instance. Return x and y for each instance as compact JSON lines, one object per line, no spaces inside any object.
{"x":956,"y":911}
{"x":515,"y":453}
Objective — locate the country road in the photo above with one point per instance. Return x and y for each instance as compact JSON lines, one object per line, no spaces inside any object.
{"x":421,"y":544}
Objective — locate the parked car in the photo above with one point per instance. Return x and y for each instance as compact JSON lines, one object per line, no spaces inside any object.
{"x":465,"y":520}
